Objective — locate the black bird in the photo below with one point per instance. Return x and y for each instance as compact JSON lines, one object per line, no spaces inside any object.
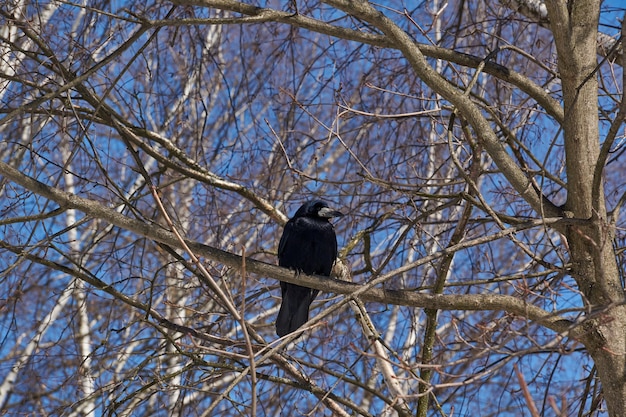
{"x":308,"y":245}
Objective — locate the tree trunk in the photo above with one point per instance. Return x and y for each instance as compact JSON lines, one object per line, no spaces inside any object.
{"x":593,"y":263}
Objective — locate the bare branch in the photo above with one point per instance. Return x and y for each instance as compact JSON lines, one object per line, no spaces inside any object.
{"x":366,"y":292}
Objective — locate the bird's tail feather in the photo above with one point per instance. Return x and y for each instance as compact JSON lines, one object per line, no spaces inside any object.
{"x":293,"y":313}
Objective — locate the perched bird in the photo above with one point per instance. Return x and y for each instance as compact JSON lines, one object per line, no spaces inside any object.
{"x":308,"y":245}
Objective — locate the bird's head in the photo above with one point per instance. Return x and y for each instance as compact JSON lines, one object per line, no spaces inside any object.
{"x":317,"y":209}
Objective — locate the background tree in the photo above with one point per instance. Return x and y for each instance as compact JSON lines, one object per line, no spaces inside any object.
{"x":152,"y":152}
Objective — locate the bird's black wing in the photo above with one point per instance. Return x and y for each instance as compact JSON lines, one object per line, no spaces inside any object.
{"x":308,"y":245}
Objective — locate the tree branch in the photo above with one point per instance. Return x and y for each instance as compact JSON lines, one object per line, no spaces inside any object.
{"x":298,"y":20}
{"x":514,"y":174}
{"x":367,"y":292}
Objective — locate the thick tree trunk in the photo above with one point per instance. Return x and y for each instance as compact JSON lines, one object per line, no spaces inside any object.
{"x":609,"y":356}
{"x":575,"y":25}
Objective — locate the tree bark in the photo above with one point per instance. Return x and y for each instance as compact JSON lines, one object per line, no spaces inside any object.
{"x":574,"y":25}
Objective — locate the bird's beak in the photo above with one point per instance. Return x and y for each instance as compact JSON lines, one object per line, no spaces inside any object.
{"x":328,"y":213}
